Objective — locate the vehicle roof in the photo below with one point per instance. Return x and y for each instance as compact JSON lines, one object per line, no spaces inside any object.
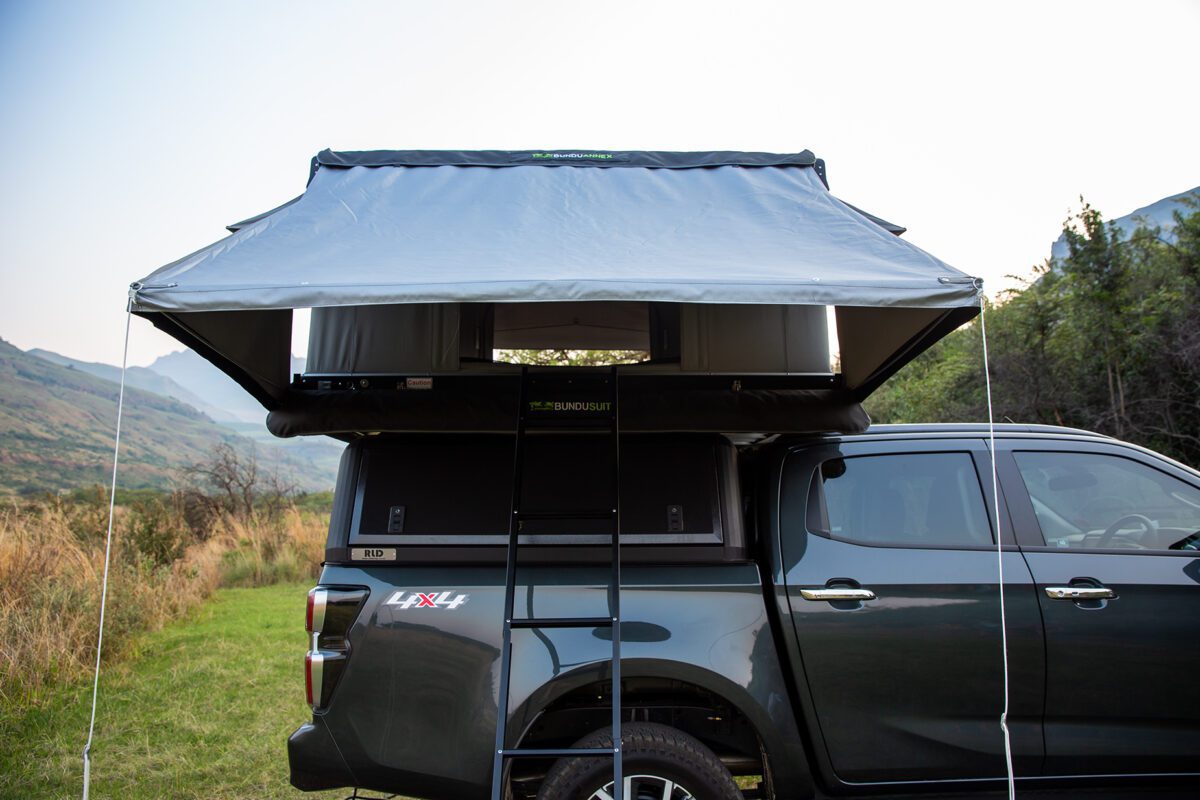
{"x":946,"y":429}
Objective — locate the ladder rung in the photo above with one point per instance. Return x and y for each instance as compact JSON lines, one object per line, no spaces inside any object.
{"x":604,"y":513}
{"x":559,"y":752}
{"x":562,"y":622}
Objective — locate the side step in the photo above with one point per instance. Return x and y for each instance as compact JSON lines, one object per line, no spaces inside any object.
{"x":559,"y":752}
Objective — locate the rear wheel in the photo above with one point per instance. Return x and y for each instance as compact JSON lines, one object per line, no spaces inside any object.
{"x":660,"y":763}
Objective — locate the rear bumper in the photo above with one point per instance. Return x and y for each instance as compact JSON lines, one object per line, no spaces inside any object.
{"x":314,"y":759}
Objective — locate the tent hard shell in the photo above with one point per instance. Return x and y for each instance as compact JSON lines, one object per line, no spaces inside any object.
{"x":418,"y":263}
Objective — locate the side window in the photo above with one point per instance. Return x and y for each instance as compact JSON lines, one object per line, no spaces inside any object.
{"x":904,"y":500}
{"x":1101,"y":501}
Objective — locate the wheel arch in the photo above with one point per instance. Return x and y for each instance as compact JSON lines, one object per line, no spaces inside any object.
{"x":545,"y":715}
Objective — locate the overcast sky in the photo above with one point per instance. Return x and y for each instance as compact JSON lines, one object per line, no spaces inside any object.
{"x":132,"y":132}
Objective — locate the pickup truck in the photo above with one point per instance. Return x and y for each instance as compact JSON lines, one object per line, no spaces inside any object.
{"x":802,"y":616}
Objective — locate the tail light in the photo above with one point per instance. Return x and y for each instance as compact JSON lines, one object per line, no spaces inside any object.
{"x":308,"y":676}
{"x":330,"y":613}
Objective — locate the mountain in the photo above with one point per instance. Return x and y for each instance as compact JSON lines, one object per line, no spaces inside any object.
{"x":214,"y":387}
{"x":321,"y":453}
{"x":1159,"y":214}
{"x":139,"y":378}
{"x":202,"y":379}
{"x":56,"y":432}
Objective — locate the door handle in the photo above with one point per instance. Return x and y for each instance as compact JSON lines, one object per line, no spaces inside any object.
{"x":837,"y":593}
{"x":1079,"y":593}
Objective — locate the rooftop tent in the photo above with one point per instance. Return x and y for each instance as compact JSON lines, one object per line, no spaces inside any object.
{"x":420,"y":262}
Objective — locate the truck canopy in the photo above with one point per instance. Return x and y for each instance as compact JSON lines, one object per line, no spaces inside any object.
{"x":419,"y":262}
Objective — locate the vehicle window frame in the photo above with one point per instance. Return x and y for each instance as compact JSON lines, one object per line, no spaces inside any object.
{"x":1029,"y":528}
{"x":929,"y":447}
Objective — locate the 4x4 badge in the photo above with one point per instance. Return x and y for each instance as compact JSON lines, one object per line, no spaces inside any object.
{"x":427,"y":600}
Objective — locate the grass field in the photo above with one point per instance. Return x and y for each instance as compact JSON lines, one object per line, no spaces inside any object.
{"x":200,"y":709}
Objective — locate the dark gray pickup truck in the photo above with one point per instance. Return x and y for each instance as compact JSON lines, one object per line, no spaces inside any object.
{"x":810,"y":615}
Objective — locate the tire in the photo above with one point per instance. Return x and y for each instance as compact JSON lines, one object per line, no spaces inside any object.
{"x":654,"y":754}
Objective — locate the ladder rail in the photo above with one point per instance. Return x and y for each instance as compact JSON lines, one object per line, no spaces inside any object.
{"x":615,"y":592}
{"x":510,"y":589}
{"x":502,"y":753}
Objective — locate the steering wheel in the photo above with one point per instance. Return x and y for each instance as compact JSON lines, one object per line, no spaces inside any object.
{"x":1111,"y":530}
{"x":1103,"y":506}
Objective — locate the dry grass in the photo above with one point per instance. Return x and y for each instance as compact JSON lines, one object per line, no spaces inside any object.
{"x":289,"y":549}
{"x":52,"y":561}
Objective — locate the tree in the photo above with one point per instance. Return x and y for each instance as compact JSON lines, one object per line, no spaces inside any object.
{"x":1106,"y":339}
{"x":1097,"y":276}
{"x":571,"y":358}
{"x":237,"y":485}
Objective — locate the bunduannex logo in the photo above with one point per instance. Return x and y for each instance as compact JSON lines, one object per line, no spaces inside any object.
{"x":592,"y":156}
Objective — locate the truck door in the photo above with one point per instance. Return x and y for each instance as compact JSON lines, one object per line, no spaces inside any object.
{"x":891,"y":575}
{"x":1112,"y":536}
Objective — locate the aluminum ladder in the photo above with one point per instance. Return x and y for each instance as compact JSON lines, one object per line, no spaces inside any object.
{"x":502,"y":753}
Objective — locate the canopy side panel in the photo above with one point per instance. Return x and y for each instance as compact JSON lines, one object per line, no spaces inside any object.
{"x":749,"y":338}
{"x":253,"y":348}
{"x":876,"y":342}
{"x":418,"y":338}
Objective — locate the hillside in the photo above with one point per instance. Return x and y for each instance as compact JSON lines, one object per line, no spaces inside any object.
{"x":56,"y":429}
{"x":202,"y":379}
{"x":139,"y":378}
{"x":1159,"y":214}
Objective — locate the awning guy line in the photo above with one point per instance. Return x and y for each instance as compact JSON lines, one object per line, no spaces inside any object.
{"x":112,"y":496}
{"x":987,"y":380}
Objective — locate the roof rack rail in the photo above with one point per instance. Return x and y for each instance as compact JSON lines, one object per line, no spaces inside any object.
{"x":980,"y":427}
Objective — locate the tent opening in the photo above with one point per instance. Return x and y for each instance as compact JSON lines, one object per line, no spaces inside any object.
{"x":552,"y":357}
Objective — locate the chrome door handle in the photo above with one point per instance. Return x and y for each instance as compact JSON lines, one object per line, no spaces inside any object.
{"x":1079,"y":593}
{"x":837,"y":593}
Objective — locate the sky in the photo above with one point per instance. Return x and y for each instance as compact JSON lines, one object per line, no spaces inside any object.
{"x":133,"y":132}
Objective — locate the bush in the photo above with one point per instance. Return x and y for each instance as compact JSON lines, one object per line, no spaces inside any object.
{"x":51,"y":569}
{"x":157,"y":533}
{"x":52,"y":563}
{"x":236,"y":525}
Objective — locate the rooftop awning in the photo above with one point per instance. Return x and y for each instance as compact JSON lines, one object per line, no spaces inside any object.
{"x":401,"y":227}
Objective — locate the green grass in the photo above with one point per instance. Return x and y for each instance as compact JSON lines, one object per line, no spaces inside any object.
{"x":200,"y":709}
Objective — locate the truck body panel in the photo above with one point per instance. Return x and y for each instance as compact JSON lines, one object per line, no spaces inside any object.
{"x":734,"y":642}
{"x":421,"y":709}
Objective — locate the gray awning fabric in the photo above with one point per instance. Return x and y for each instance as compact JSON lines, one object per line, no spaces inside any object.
{"x":402,"y":234}
{"x":399,"y":227}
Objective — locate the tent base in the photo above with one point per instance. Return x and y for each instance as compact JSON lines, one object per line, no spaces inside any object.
{"x":346,"y":406}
